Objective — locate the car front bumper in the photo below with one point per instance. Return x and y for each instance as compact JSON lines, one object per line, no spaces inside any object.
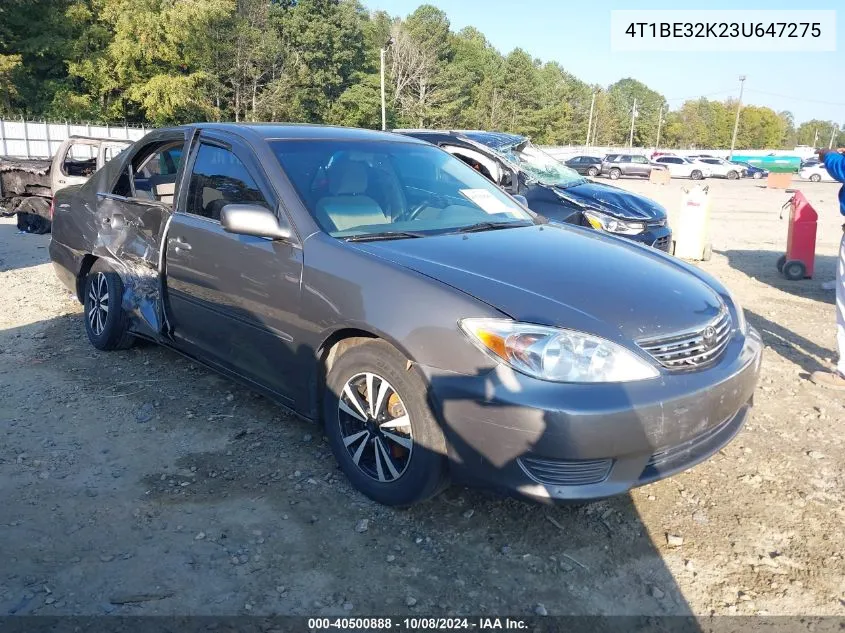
{"x":566,"y":442}
{"x":660,"y":237}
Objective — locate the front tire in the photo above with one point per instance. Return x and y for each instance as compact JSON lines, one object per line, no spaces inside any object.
{"x":757,"y":175}
{"x":615,"y":173}
{"x":815,"y":178}
{"x":381,"y":428}
{"x":106,"y":322}
{"x":732,"y":175}
{"x":696,"y":175}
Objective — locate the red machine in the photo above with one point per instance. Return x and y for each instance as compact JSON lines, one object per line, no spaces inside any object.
{"x":800,"y":257}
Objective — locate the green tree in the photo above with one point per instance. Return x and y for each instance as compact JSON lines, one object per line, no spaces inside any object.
{"x":649,"y":103}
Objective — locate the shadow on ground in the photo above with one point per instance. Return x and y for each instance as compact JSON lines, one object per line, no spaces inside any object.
{"x":762,"y":266}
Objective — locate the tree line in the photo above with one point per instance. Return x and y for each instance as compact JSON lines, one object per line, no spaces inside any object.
{"x":164,"y":62}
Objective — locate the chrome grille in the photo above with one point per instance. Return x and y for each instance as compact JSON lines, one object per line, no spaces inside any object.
{"x":691,"y":350}
{"x":560,"y":472}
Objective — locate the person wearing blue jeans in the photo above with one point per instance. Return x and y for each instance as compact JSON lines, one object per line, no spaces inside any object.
{"x":834,"y":162}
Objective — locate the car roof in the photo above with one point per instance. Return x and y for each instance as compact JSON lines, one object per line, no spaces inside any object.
{"x":494,"y":140}
{"x":301,"y":131}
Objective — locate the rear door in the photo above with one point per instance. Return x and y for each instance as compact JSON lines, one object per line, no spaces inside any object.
{"x":130,"y":224}
{"x":640,"y":166}
{"x":233,"y":299}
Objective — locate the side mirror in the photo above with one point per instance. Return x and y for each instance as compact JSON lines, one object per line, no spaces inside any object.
{"x":521,"y":199}
{"x":252,"y":219}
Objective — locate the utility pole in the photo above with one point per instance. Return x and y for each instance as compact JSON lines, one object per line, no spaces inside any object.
{"x":383,"y":106}
{"x":738,"y":109}
{"x":590,"y":124}
{"x":833,"y":135}
{"x":659,"y":124}
{"x":633,"y":116}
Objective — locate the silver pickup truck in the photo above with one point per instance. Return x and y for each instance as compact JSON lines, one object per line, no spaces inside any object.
{"x":27,"y":186}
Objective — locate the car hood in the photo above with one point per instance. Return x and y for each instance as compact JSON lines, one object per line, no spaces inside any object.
{"x":563,"y":276}
{"x":614,"y":201}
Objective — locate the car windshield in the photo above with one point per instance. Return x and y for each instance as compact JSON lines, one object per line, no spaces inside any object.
{"x":356,"y":188}
{"x":540,"y":166}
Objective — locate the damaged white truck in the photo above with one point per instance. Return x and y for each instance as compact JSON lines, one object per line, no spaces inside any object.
{"x":27,"y":186}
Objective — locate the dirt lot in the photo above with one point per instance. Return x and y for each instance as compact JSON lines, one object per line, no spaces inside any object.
{"x":137,"y":483}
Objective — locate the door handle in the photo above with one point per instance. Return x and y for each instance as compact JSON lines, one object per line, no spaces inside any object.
{"x":61,"y":182}
{"x":179,"y":244}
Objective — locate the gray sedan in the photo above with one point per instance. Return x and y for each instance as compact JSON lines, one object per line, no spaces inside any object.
{"x":435,"y":327}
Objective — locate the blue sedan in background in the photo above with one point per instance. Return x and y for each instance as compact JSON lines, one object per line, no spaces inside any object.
{"x":751,"y":170}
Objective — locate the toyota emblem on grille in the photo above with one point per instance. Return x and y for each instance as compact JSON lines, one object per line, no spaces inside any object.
{"x":709,"y":336}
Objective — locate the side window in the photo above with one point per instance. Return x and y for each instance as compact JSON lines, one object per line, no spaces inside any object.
{"x":675,"y":161}
{"x":638,"y":159}
{"x":111,"y":151}
{"x":220,"y":178}
{"x":624,"y":159}
{"x":155,"y":173}
{"x":80,"y":160}
{"x":123,"y":186}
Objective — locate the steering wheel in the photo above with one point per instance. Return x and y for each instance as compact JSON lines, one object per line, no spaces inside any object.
{"x":413,"y":212}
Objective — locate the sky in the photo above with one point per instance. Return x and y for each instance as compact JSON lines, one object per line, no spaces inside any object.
{"x":576,"y":33}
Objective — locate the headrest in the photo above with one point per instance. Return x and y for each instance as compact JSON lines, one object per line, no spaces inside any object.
{"x":348,"y":178}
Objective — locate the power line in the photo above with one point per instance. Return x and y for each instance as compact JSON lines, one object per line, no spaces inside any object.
{"x":774,"y":94}
{"x":711,"y":94}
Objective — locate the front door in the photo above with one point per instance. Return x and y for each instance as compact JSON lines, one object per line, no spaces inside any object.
{"x":233,"y":299}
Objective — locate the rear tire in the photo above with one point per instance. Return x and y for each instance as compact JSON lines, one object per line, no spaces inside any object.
{"x":815,"y":178}
{"x":757,"y":175}
{"x":794,"y":270}
{"x":696,"y":175}
{"x":398,"y":464}
{"x":592,"y":172}
{"x":781,"y":261}
{"x":615,"y":173}
{"x":106,"y":322}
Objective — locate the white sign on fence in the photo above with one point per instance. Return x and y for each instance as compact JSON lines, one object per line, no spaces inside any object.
{"x":40,"y":139}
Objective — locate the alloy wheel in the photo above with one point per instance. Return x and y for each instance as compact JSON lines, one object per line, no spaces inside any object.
{"x":375,"y":427}
{"x":98,"y":310}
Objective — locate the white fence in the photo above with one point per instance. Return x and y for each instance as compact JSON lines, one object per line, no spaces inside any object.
{"x":40,"y":139}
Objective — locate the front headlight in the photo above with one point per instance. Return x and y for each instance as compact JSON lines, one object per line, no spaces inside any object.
{"x":554,"y":354}
{"x":604,"y":222}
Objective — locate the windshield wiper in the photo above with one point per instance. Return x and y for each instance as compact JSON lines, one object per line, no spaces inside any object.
{"x":384,"y":235}
{"x":489,"y":226}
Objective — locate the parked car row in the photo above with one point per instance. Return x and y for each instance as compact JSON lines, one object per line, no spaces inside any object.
{"x":615,"y":166}
{"x":403,"y":297}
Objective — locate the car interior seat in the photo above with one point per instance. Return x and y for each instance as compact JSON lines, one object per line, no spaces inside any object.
{"x":348,"y":206}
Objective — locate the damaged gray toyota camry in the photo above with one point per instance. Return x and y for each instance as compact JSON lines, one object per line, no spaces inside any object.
{"x":436,"y":328}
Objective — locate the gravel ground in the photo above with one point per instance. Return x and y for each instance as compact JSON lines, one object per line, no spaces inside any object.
{"x":138,"y":483}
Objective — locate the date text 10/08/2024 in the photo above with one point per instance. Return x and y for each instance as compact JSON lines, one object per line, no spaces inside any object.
{"x":418,"y":624}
